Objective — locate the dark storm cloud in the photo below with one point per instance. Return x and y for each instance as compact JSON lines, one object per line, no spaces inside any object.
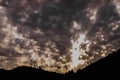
{"x":55,"y":19}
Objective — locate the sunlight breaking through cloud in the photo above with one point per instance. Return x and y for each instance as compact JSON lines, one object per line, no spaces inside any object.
{"x":77,"y":50}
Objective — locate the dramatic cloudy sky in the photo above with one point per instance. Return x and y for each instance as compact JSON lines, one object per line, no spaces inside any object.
{"x":57,"y":35}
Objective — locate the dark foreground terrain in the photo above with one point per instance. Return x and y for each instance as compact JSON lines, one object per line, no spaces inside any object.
{"x":106,"y":68}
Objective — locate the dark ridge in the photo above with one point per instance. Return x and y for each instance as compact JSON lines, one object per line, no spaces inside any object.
{"x":105,"y":68}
